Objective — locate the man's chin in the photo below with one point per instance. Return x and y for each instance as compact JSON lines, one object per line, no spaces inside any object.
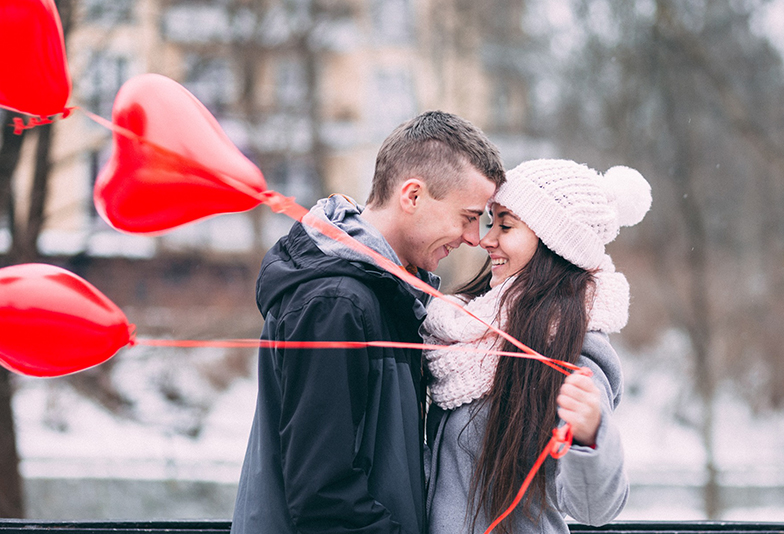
{"x":432,"y":265}
{"x":427,"y":265}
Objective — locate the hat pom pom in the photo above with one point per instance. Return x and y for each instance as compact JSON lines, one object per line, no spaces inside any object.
{"x":631,"y":193}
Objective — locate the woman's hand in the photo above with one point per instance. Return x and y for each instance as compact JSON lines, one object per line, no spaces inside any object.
{"x":579,"y":405}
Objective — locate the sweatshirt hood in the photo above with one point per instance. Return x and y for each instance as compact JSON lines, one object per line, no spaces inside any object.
{"x":305,"y":254}
{"x":343,"y":212}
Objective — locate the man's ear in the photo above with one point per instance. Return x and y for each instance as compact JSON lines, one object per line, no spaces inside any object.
{"x":411,"y":194}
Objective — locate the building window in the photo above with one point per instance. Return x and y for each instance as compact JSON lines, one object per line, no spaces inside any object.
{"x":108,"y":13}
{"x":291,"y":84}
{"x":103,"y":77}
{"x":211,"y":80}
{"x":196,"y":23}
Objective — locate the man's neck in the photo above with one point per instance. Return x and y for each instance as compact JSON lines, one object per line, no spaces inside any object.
{"x":386,"y":222}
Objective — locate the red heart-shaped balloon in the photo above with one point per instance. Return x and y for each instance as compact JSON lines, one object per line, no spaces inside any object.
{"x":53,"y":322}
{"x":171,"y":162}
{"x":34,"y":74}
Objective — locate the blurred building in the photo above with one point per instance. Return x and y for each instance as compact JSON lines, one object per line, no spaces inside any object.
{"x":307,"y":89}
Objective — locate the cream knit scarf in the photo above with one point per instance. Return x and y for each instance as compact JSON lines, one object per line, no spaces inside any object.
{"x":461,"y":377}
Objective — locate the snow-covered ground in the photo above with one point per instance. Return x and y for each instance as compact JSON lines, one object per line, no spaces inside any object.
{"x":66,"y":442}
{"x":665,"y":457}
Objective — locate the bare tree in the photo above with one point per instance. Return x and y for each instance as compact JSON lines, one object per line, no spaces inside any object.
{"x":690,"y":95}
{"x":23,"y":248}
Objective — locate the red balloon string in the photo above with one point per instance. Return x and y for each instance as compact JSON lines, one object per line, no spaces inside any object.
{"x":563,"y":367}
{"x":288,"y":206}
{"x":558,"y":446}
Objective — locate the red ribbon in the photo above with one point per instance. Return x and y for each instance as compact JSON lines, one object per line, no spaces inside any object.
{"x":562,"y":437}
{"x":563,"y":367}
{"x":558,"y":445}
{"x":288,"y":206}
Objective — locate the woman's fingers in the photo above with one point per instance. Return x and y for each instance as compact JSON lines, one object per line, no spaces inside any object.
{"x":579,"y":404}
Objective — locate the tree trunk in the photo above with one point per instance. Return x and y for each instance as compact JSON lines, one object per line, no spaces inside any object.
{"x":24,"y":238}
{"x":25,"y":241}
{"x":698,"y":314}
{"x":11,"y":501}
{"x":10,"y":151}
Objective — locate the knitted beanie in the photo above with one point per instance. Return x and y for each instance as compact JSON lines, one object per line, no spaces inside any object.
{"x":573,"y":209}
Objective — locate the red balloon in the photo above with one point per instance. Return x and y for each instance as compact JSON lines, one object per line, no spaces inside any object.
{"x":53,"y":323}
{"x":182,"y":167}
{"x":34,"y":74}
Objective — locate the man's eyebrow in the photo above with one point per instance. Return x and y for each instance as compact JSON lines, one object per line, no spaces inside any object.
{"x":477,"y":212}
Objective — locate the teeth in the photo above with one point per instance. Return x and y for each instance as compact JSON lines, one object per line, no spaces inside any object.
{"x":449,"y":249}
{"x":498,"y":262}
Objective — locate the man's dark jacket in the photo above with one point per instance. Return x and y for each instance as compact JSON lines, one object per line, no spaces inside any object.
{"x":336,"y":442}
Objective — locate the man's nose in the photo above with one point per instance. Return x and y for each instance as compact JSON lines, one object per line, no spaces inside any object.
{"x":471,"y":235}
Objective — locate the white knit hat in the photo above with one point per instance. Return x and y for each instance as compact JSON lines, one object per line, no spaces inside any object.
{"x":573,"y":209}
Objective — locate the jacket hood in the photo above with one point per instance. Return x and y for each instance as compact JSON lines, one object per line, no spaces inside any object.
{"x":296,"y":259}
{"x":344,"y":213}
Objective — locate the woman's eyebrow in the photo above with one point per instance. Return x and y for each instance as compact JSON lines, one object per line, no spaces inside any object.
{"x":503,"y":213}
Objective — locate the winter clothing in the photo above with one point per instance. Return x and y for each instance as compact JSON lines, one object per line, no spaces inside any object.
{"x":336,"y":442}
{"x":571,"y":208}
{"x":575,"y":212}
{"x":589,"y":484}
{"x":460,"y":377}
{"x":343,"y":212}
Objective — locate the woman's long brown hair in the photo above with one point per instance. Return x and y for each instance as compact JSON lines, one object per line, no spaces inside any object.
{"x":546,"y":310}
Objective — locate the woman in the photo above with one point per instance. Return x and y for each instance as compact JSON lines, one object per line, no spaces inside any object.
{"x":548,"y":283}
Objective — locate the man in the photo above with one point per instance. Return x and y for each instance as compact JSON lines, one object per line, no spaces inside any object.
{"x":337,"y":437}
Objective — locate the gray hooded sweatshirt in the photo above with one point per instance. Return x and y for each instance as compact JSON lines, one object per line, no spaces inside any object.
{"x":587,"y":484}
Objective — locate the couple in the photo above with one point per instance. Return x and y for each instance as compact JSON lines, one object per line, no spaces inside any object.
{"x":337,"y":442}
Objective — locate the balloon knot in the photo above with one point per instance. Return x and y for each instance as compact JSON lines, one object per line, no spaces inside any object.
{"x":280,"y":204}
{"x":132,"y":335}
{"x":277,"y":202}
{"x":20,"y":126}
{"x":562,"y":441}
